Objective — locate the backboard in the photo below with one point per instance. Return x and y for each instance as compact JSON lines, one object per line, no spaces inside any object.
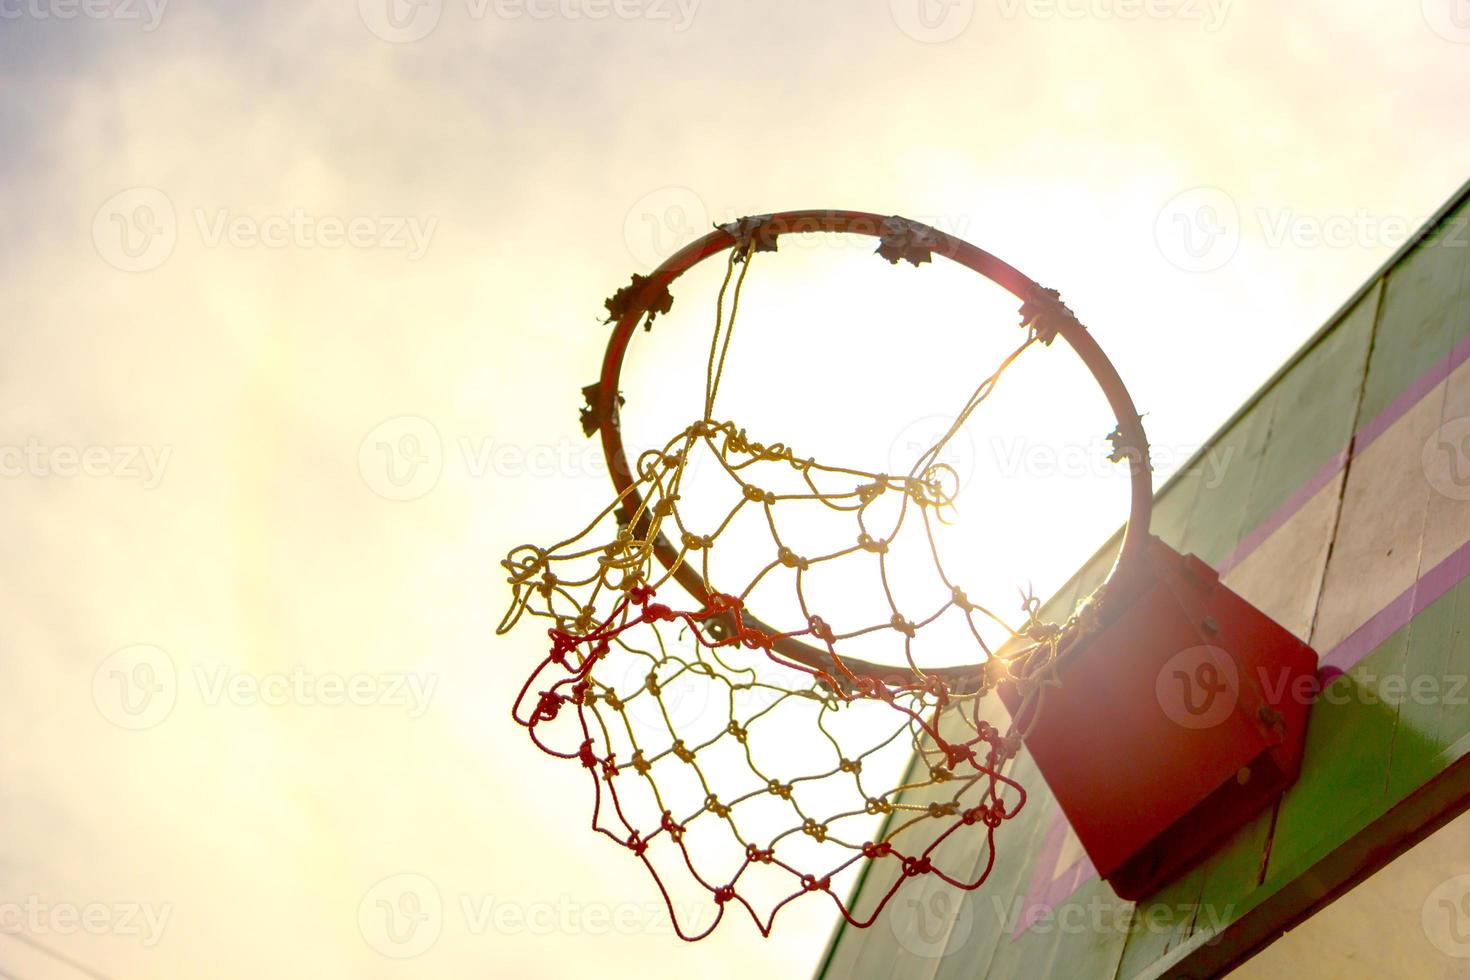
{"x":1337,"y":500}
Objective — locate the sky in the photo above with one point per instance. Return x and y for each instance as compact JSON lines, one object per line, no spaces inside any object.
{"x":298,"y":300}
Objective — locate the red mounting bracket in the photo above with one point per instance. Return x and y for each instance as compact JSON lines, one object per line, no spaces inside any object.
{"x":1178,"y":720}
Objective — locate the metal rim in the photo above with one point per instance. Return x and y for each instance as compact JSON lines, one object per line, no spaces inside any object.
{"x":1128,"y":438}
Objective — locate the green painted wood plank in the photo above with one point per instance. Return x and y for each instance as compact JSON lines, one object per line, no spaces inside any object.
{"x":987,"y":922}
{"x":1345,"y":766}
{"x":1092,"y":929}
{"x":1232,"y":876}
{"x":1315,"y":407}
{"x":1217,"y":519}
{"x":1173,"y":507}
{"x":1452,"y":727}
{"x":1422,"y":307}
{"x":1432,"y":686}
{"x":1160,"y":923}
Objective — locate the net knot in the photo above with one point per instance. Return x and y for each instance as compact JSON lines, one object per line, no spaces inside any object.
{"x":737,"y":731}
{"x":695,"y":542}
{"x":682,"y":751}
{"x":868,"y":543}
{"x":875,"y":806}
{"x":873,"y":849}
{"x":777,"y":788}
{"x":724,"y":893}
{"x":720,"y":602}
{"x":562,"y":643}
{"x":586,"y":755}
{"x":640,"y":763}
{"x":791,"y":559}
{"x":902,"y":625}
{"x":756,"y":495}
{"x":637,"y":844}
{"x":755,"y":639}
{"x":913,"y":866}
{"x":820,"y":629}
{"x":811,"y":883}
{"x":1009,"y":745}
{"x":547,"y":706}
{"x":713,"y":805}
{"x":850,"y":765}
{"x":816,"y":831}
{"x":757,"y":856}
{"x":675,"y":830}
{"x":657,"y":612}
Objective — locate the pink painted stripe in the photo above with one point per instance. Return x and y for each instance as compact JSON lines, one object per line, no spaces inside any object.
{"x":1044,"y":894}
{"x":1436,"y":375}
{"x":1040,"y":885}
{"x":1413,"y":394}
{"x":1274,"y":521}
{"x":1431,"y":586}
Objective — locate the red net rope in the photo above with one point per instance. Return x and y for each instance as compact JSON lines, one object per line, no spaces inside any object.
{"x":739,"y":777}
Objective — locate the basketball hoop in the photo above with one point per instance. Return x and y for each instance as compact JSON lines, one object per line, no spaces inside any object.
{"x":623,"y":645}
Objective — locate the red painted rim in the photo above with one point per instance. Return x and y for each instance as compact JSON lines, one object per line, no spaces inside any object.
{"x":1130,"y":434}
